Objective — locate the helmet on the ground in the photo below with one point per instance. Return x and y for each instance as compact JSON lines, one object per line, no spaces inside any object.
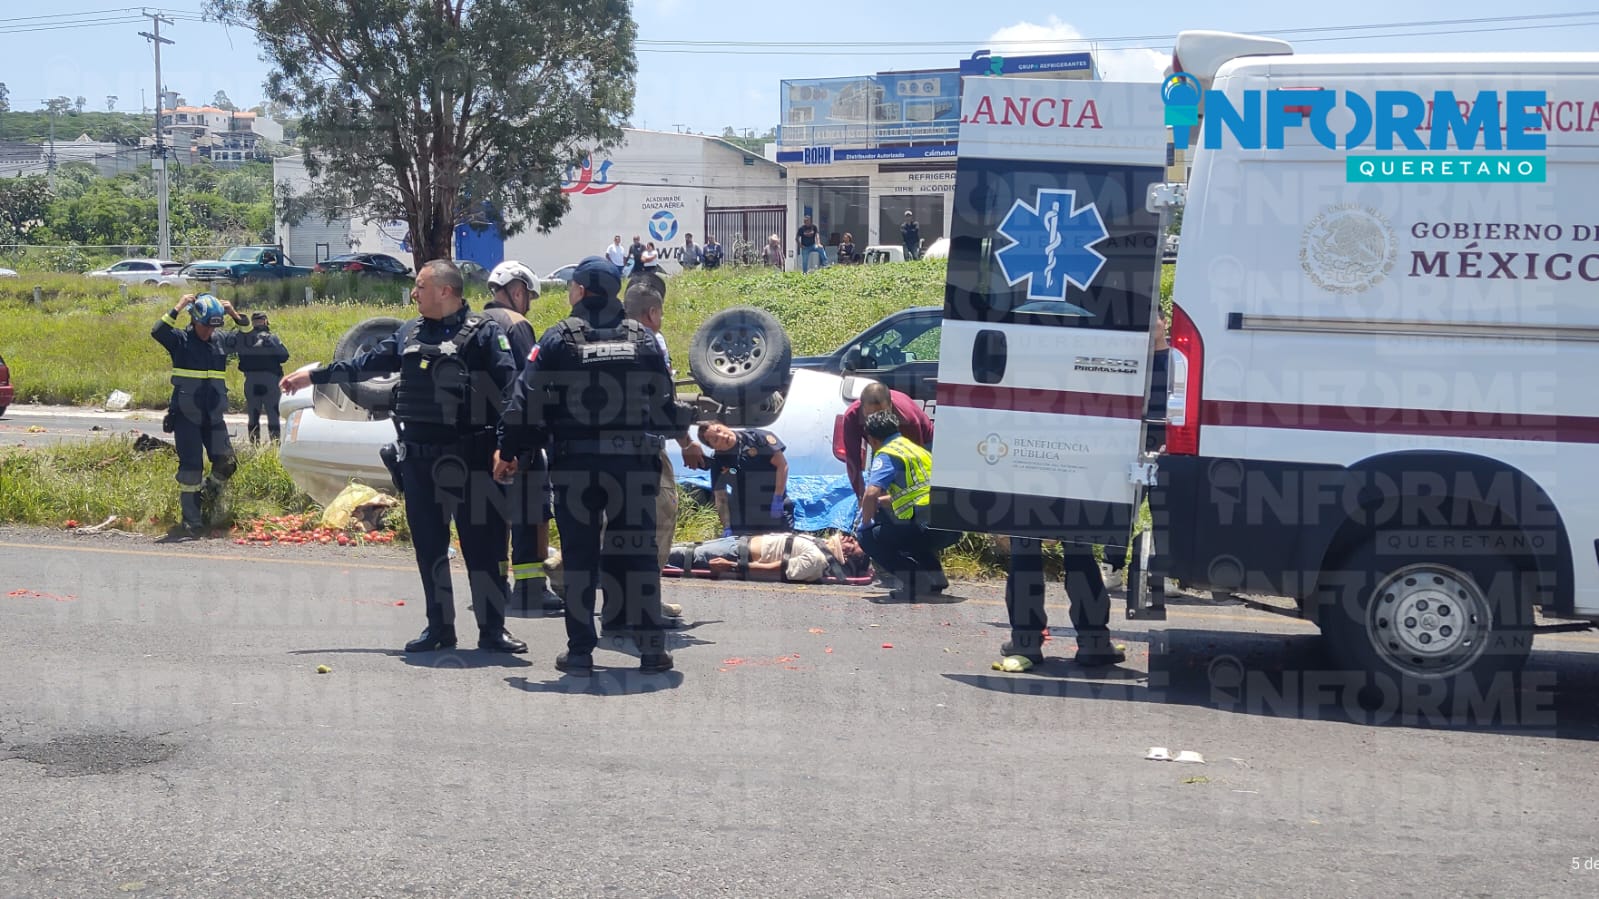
{"x":511,"y":270}
{"x":598,"y":276}
{"x":207,"y":310}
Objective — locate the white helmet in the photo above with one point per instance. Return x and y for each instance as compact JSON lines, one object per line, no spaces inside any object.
{"x":509,"y":271}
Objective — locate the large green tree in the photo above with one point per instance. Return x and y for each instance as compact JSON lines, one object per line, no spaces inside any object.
{"x":437,"y":112}
{"x":23,"y":204}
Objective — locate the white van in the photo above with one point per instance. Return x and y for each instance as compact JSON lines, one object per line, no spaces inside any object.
{"x":1381,"y":398}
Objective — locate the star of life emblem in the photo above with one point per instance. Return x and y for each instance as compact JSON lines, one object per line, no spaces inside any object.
{"x":1051,"y":244}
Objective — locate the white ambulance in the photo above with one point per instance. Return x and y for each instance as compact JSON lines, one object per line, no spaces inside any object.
{"x":1382,"y":398}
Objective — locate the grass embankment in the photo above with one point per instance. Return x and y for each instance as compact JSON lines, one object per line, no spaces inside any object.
{"x":89,"y":482}
{"x":84,"y":340}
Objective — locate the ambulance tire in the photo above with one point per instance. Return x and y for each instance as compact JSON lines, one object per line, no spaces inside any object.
{"x":1424,"y":631}
{"x":377,"y":394}
{"x":740,"y":356}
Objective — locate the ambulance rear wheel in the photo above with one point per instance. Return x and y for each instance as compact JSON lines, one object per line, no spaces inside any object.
{"x":1421,"y":626}
{"x":740,"y":356}
{"x":376,"y":394}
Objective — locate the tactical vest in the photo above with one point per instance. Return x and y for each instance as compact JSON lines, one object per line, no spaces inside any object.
{"x":435,"y":380}
{"x":918,"y":465}
{"x":612,"y":383}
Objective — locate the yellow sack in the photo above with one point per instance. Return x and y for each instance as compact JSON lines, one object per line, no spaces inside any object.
{"x":339,"y":512}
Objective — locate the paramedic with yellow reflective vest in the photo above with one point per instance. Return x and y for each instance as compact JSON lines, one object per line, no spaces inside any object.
{"x":199,"y":402}
{"x":893,"y":528}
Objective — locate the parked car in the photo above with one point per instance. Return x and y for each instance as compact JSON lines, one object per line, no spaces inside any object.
{"x":562,"y":274}
{"x":472,"y":271}
{"x":369,"y":265}
{"x":7,"y":392}
{"x":149,"y":272}
{"x":901,"y":351}
{"x":244,"y":265}
{"x":7,"y":273}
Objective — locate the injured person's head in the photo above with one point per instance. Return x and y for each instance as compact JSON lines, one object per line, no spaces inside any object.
{"x":846,"y":551}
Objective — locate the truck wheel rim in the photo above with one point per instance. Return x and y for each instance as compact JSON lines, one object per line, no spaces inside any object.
{"x":1429,"y":620}
{"x":736,"y":350}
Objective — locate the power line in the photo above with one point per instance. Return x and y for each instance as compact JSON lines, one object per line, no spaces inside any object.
{"x":1152,"y":48}
{"x":1431,"y":23}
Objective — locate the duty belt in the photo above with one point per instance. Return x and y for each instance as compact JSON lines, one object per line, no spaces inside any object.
{"x":613,"y":445}
{"x":413,"y":449}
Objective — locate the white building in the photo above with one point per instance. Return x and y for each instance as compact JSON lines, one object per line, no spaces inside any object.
{"x":660,"y":186}
{"x":862,"y":151}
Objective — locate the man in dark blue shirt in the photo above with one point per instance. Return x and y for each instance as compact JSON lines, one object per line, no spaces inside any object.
{"x":750,"y":463}
{"x":911,"y":236}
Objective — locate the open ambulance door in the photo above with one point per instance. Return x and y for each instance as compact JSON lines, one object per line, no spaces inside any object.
{"x":1054,"y":272}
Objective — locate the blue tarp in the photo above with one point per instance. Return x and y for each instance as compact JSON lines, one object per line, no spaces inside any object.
{"x":820,"y":501}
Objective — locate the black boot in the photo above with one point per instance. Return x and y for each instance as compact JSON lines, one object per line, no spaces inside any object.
{"x":431,"y":641}
{"x":1027,"y":644}
{"x":500,"y":642}
{"x":653,"y":657}
{"x":579,"y":664}
{"x":1094,"y":650}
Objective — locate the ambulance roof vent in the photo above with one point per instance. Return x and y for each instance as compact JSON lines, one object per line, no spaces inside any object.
{"x":1202,"y":53}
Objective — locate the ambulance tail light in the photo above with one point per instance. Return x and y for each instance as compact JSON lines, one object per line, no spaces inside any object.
{"x":1186,"y":366}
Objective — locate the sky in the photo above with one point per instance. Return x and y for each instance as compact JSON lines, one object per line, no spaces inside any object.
{"x":692,"y":88}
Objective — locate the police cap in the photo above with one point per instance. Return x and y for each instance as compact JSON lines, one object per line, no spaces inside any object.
{"x":597,"y":275}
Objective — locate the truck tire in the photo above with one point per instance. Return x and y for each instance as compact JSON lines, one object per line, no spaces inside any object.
{"x":740,"y":356}
{"x":760,"y":415}
{"x":375,"y":395}
{"x":1421,"y":625}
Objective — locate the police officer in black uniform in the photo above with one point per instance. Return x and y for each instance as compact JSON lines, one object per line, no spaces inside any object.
{"x":261,"y":358}
{"x":454,"y":366}
{"x":199,"y":402}
{"x":599,"y":389}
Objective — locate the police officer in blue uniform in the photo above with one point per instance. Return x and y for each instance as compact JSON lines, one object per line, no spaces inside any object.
{"x":752,"y":463}
{"x":455,"y":366}
{"x":599,"y":390}
{"x":199,"y":402}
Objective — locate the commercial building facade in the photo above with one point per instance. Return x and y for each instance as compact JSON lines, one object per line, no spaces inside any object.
{"x":862,"y":151}
{"x":659,"y":186}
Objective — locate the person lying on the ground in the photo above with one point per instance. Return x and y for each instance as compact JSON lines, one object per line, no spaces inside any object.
{"x":794,"y":558}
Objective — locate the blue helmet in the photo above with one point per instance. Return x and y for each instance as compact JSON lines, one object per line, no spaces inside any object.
{"x":597,"y":275}
{"x":207,"y":310}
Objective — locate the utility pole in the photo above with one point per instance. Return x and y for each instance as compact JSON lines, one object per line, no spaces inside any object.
{"x":50,"y":164}
{"x":159,"y":162}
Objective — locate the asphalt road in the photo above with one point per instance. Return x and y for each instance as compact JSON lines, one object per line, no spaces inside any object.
{"x":32,"y":425}
{"x":163,"y":732}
